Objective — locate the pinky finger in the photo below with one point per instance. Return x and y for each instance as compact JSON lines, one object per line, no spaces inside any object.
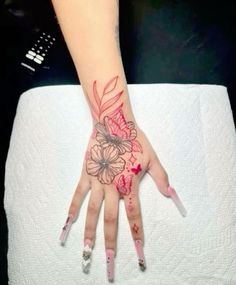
{"x":78,"y":197}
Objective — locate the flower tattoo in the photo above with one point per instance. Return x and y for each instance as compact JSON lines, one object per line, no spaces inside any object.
{"x":115,"y":131}
{"x":114,"y":136}
{"x":105,"y":163}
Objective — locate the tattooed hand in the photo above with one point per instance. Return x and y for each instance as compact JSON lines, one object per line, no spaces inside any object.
{"x":117,"y":156}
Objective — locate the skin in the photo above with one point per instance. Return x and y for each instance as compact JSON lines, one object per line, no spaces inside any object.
{"x":91,"y":32}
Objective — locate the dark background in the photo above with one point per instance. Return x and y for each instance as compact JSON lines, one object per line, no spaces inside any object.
{"x":161,"y":42}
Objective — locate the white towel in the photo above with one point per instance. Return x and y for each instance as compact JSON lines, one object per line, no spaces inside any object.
{"x":192,"y":130}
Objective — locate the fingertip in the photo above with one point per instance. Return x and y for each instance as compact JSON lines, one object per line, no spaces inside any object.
{"x":88,"y":242}
{"x":110,"y":255}
{"x":66,"y":229}
{"x":86,"y":256}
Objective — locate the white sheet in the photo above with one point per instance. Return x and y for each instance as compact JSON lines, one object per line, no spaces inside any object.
{"x":190,"y":126}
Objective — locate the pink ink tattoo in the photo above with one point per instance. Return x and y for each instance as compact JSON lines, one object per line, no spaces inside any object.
{"x":117,"y":132}
{"x":132,"y":159}
{"x":115,"y":137}
{"x":136,"y":169}
{"x":136,"y":146}
{"x":124,"y":184}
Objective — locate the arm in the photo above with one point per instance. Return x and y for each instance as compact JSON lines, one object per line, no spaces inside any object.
{"x":118,"y":152}
{"x":90,"y":29}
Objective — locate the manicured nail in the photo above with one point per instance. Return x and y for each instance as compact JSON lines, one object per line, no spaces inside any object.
{"x":87,"y":252}
{"x":140,"y":254}
{"x":66,"y":228}
{"x":110,"y":264}
{"x":177,"y":201}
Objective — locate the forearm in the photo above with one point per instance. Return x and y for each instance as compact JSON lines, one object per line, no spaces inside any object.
{"x":90,"y":29}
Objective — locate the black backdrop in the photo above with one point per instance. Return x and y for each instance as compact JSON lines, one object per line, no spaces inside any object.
{"x":162,"y":41}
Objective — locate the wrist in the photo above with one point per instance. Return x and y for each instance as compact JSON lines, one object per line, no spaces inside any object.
{"x":124,"y":112}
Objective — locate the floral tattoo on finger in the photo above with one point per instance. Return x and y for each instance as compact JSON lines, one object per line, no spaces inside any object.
{"x":107,"y":159}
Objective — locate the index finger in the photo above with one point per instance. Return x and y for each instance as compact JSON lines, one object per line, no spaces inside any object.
{"x":77,"y":199}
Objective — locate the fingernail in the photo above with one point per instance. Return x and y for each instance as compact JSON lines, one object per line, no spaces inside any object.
{"x":87,"y":252}
{"x":66,"y":228}
{"x":110,"y":264}
{"x":140,"y":254}
{"x":177,"y":201}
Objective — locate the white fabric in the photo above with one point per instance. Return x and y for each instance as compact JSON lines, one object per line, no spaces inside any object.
{"x":192,"y":130}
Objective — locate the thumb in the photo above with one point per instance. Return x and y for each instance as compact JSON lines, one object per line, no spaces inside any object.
{"x":159,"y":175}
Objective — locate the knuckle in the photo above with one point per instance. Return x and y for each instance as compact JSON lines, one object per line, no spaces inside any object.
{"x":109,"y":238}
{"x":73,"y":208}
{"x":78,"y":194}
{"x":110,"y":219}
{"x":92,"y":208}
{"x":129,"y":208}
{"x":89,"y":229}
{"x":133,"y":214}
{"x":79,"y":191}
{"x":164,"y":176}
{"x":154,"y":158}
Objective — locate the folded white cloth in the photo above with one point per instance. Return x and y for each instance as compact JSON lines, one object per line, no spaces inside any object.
{"x":192,"y":130}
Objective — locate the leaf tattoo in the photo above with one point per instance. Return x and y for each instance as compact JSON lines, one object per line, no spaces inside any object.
{"x":111,"y":85}
{"x":103,"y":102}
{"x":114,"y":136}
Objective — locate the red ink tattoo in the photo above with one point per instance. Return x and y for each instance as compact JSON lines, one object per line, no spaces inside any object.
{"x":135,"y":228}
{"x":136,"y":169}
{"x":124,"y":184}
{"x":117,"y":132}
{"x":130,"y":208}
{"x":132,"y":159}
{"x":115,"y":137}
{"x":136,"y":146}
{"x":103,"y":103}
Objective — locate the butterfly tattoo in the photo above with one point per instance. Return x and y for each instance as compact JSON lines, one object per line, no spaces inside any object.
{"x":115,"y":138}
{"x":124,"y":184}
{"x":136,"y":169}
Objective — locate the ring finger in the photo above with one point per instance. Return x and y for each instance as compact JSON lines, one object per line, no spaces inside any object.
{"x":133,"y":211}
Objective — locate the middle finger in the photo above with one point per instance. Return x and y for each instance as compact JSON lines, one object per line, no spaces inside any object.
{"x":133,"y":211}
{"x":111,"y":209}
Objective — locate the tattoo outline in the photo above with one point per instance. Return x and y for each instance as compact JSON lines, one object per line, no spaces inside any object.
{"x":115,"y":137}
{"x":124,"y":184}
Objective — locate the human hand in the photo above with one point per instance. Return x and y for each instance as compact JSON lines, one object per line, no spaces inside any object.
{"x":117,"y":157}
